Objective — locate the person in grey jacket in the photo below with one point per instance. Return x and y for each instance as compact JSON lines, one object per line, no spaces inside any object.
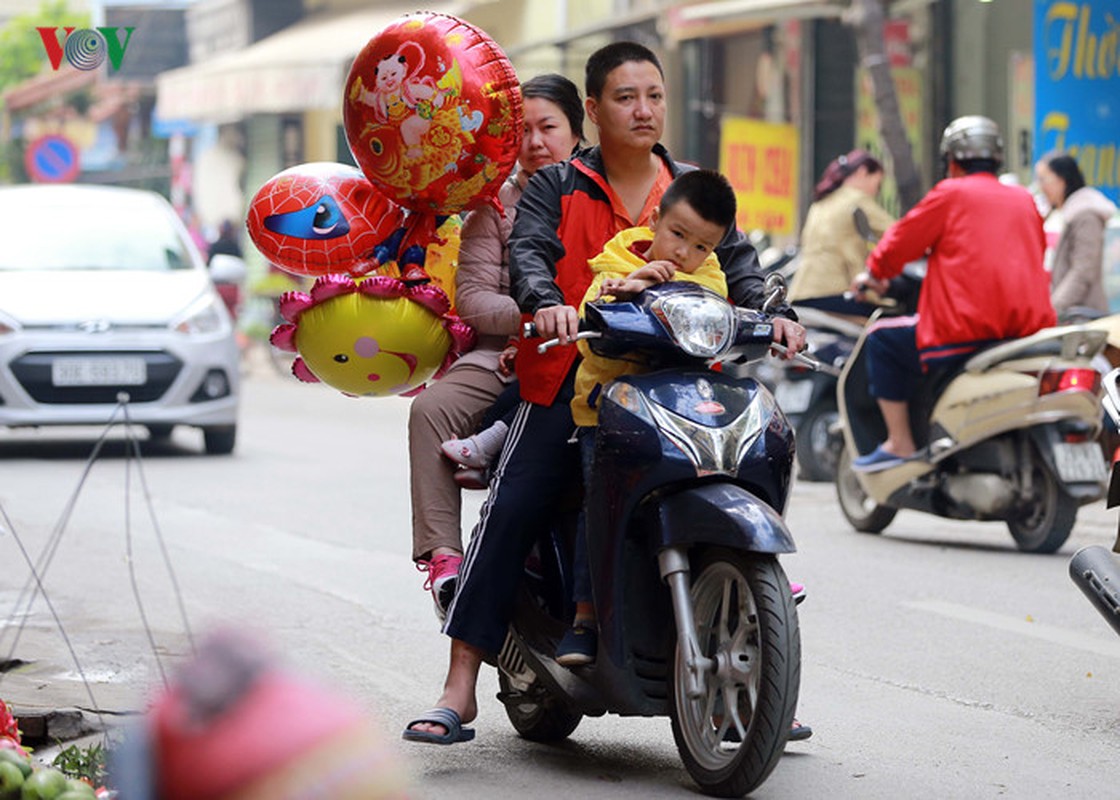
{"x":454,"y":405}
{"x":1077,"y":277}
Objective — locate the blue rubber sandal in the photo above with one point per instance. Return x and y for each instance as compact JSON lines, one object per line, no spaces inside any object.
{"x":877,"y":460}
{"x":448,"y":718}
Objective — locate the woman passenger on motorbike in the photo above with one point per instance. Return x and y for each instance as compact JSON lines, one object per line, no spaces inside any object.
{"x":832,"y":250}
{"x":453,"y":406}
{"x":565,"y":217}
{"x":1077,"y":274}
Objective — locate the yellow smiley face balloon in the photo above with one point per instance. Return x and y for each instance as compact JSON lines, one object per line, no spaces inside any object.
{"x":370,"y":337}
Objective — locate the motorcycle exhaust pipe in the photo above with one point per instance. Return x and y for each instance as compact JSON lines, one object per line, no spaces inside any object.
{"x":1097,"y":573}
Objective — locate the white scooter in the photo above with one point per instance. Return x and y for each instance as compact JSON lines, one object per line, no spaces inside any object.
{"x":1011,"y":436}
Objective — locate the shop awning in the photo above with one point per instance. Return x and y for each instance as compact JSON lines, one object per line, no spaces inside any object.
{"x":301,"y":68}
{"x":715,"y":17}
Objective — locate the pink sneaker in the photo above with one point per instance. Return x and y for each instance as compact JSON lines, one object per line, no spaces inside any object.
{"x":465,"y":452}
{"x":798,"y":592}
{"x":443,"y":576}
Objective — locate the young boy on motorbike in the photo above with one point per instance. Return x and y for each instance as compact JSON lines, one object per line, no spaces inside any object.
{"x":985,"y":281}
{"x":679,"y":244}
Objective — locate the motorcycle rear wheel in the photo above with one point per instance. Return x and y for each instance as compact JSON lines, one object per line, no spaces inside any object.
{"x":539,"y":718}
{"x":746,"y":623}
{"x":864,"y":514}
{"x":1045,"y":522}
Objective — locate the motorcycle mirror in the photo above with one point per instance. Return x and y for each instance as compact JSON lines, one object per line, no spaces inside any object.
{"x":775,"y":288}
{"x":863,"y":225}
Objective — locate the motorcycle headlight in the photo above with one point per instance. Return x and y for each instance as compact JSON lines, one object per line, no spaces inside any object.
{"x":702,"y":326}
{"x":202,"y":317}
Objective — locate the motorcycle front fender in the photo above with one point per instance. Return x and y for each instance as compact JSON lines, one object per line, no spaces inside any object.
{"x":720,"y":514}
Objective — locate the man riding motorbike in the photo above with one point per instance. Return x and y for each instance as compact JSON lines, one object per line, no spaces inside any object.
{"x":985,"y":280}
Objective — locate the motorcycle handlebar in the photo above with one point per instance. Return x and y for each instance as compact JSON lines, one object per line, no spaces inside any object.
{"x":809,"y":361}
{"x":545,"y":346}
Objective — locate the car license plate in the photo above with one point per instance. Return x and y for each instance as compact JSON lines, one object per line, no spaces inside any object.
{"x":99,"y":372}
{"x":793,"y":396}
{"x":1081,"y":462}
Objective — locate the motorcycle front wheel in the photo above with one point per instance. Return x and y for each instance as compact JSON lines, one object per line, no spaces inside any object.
{"x":864,"y":514}
{"x":731,"y":737}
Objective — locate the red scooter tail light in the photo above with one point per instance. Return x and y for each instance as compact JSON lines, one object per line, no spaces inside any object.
{"x":1069,"y":380}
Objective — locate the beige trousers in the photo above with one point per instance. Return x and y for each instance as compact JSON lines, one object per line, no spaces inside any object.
{"x":452,"y":407}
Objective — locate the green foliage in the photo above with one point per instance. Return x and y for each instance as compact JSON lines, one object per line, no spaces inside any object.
{"x":21,"y":49}
{"x":83,"y":762}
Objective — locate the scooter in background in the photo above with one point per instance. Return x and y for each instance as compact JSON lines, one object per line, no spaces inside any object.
{"x":1011,"y":436}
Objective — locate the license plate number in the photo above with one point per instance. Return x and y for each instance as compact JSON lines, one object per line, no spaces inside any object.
{"x":793,"y":396}
{"x":1081,"y":462}
{"x":98,"y":372}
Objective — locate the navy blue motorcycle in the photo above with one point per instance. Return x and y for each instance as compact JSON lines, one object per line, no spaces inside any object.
{"x":692,"y":472}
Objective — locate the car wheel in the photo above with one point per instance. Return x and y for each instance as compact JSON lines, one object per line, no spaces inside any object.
{"x":220,"y":440}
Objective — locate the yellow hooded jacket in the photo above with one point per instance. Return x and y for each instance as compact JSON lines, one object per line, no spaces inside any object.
{"x":621,"y":256}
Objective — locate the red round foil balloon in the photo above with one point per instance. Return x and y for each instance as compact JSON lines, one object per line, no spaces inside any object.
{"x":320,"y":218}
{"x":433,"y":114}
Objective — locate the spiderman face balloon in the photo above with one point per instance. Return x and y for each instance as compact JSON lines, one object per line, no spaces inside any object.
{"x":320,"y":218}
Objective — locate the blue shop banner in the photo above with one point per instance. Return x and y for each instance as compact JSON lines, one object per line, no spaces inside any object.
{"x":1077,"y":86}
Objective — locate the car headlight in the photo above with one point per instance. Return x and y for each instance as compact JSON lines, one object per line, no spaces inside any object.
{"x":203,"y":316}
{"x":703,"y":326}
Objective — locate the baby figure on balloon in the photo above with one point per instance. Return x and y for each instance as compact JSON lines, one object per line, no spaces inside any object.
{"x":401,"y":96}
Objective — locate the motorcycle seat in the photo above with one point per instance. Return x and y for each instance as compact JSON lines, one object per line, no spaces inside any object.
{"x":1064,"y":342}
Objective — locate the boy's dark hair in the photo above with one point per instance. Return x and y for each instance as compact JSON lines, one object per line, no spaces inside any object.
{"x":1065,"y":167}
{"x":561,"y":91}
{"x":709,"y":193}
{"x":606,"y":58}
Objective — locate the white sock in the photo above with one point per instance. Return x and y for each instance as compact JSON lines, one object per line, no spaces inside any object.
{"x":490,"y":441}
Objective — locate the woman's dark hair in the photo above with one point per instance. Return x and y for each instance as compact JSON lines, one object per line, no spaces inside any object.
{"x":1063,"y":165}
{"x":603,"y":61}
{"x":561,"y":91}
{"x":840,"y":168}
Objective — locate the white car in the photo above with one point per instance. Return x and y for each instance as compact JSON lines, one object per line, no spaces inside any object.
{"x":104,"y":297}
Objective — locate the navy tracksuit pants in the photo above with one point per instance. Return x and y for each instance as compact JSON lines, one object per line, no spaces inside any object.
{"x":538,"y":465}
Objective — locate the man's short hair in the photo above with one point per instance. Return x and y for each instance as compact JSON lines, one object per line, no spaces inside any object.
{"x":607,"y":58}
{"x":709,"y":193}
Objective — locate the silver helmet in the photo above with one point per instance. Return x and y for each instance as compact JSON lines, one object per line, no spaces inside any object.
{"x":972,"y":137}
